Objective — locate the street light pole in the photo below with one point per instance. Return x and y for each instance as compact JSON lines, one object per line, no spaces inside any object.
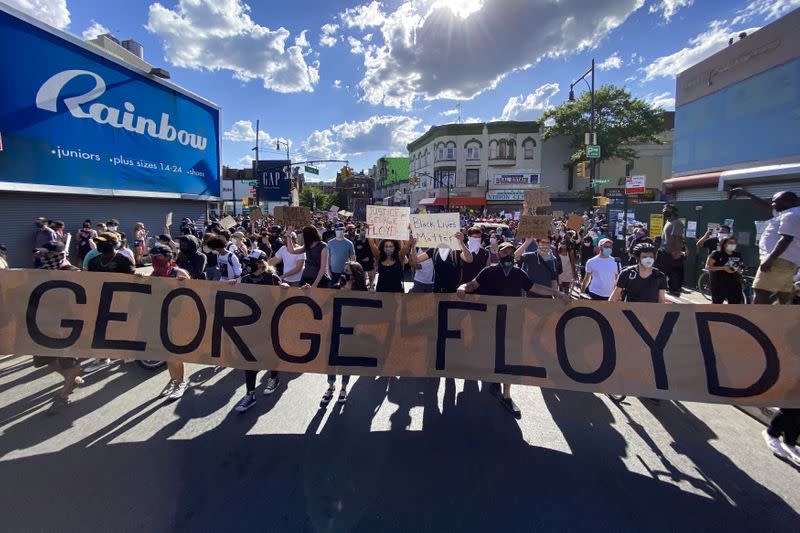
{"x":255,"y":169}
{"x":591,"y":120}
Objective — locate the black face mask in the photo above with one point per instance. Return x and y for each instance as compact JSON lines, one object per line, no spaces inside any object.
{"x":507,"y":261}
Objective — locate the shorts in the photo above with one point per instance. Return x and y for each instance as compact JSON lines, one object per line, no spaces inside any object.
{"x":779,"y":278}
{"x":138,"y":244}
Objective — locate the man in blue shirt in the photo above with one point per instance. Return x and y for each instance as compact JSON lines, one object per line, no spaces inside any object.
{"x":340,"y":251}
{"x":540,"y":265}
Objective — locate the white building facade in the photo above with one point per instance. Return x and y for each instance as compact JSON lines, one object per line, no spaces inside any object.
{"x":481,"y":166}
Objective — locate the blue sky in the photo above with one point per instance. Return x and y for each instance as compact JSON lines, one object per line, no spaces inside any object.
{"x":355,"y":81}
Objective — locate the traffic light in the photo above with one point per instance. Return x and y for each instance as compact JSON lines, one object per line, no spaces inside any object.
{"x":582,"y":169}
{"x":414,"y":180}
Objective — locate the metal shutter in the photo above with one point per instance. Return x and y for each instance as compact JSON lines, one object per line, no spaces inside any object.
{"x":19,"y":209}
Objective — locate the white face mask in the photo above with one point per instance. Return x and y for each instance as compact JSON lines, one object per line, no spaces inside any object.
{"x":722,"y":236}
{"x":647,"y":262}
{"x":444,"y":253}
{"x":730,"y":247}
{"x":474,"y":243}
{"x":112,"y":228}
{"x":492,"y":240}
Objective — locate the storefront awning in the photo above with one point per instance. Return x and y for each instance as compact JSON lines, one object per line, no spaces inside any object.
{"x":693,"y":181}
{"x":460,"y":200}
{"x":428,"y":201}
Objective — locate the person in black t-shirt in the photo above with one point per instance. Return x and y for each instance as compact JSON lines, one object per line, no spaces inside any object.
{"x":713,"y":243}
{"x":364,"y":255}
{"x":641,"y":282}
{"x":260,"y":274}
{"x":505,"y":279}
{"x":725,"y":270}
{"x":109,"y":260}
{"x":447,"y":265}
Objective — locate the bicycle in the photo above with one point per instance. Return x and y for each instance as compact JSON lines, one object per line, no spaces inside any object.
{"x":704,"y":286}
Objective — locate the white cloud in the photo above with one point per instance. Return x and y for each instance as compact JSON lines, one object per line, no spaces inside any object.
{"x":636,"y":59}
{"x":363,"y":16}
{"x":355,"y":45}
{"x":301,"y":40}
{"x":246,"y":161}
{"x":532,"y":106}
{"x":379,"y":133}
{"x":220,"y":35}
{"x":243,"y":131}
{"x":425,"y":46}
{"x":769,"y":9}
{"x":669,"y":7}
{"x":52,"y":12}
{"x":94,"y":31}
{"x":612,"y":62}
{"x":700,"y":47}
{"x":664,"y":100}
{"x":449,"y":113}
{"x":470,"y":120}
{"x":337,"y":84}
{"x":368,"y":37}
{"x":328,"y":36}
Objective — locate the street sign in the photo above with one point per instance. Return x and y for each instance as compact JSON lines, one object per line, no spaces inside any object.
{"x":601,"y":181}
{"x":593,"y":151}
{"x":312,"y":170}
{"x":634,"y":184}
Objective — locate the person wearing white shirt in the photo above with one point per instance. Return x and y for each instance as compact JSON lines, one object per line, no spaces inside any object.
{"x":292,"y":263}
{"x":779,"y":248}
{"x":229,"y":266}
{"x":601,"y":272}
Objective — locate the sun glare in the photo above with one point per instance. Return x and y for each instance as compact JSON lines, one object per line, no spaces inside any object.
{"x":461,"y":8}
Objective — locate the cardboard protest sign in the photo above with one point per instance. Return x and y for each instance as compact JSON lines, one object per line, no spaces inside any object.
{"x":434,"y":230}
{"x":558,"y":214}
{"x":227,"y":222}
{"x":168,"y":221}
{"x":574,"y":222}
{"x":255,"y":214}
{"x":297,"y":216}
{"x":536,"y":226}
{"x":384,"y":222}
{"x":704,"y":353}
{"x":538,"y":197}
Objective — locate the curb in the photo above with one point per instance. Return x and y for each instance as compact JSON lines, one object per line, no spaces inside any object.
{"x":761,"y":414}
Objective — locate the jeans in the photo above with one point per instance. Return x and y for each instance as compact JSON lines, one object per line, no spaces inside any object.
{"x":421,"y":287}
{"x":335,"y":278}
{"x":672,"y":268}
{"x":594,"y":296}
{"x":250,"y":378}
{"x":332,"y":379}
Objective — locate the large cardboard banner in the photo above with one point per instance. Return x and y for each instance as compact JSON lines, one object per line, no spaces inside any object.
{"x":748,"y":355}
{"x":384,"y":222}
{"x":434,"y":230}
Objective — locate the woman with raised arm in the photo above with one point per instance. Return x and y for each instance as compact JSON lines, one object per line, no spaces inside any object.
{"x":315,"y":269}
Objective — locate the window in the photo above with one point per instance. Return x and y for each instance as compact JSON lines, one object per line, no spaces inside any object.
{"x":473,"y":152}
{"x":493,"y":150}
{"x":512,"y":150}
{"x":451,"y":153}
{"x":440,"y":154}
{"x":472,"y":177}
{"x":445,"y":178}
{"x":503,"y":151}
{"x":527,"y":148}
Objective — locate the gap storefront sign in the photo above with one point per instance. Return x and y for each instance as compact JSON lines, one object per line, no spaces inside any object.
{"x":72,"y":117}
{"x":515,"y":179}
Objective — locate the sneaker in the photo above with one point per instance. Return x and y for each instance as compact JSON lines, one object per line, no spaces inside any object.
{"x":178,"y":391}
{"x":793,"y":454}
{"x":246,"y":403}
{"x":326,"y":398}
{"x":96,"y":364}
{"x":272,"y":385}
{"x":774,"y":445}
{"x":512,"y":407}
{"x":169,"y":388}
{"x":342,"y":396}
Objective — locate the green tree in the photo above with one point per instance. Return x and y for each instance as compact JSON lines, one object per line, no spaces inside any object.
{"x":315,"y":198}
{"x":620,"y":120}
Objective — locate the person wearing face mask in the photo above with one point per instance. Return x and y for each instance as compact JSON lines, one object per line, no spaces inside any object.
{"x":315,"y":268}
{"x":190,"y":258}
{"x":480,"y":256}
{"x":212,"y":260}
{"x":494,"y":244}
{"x":540,"y":265}
{"x":42,"y":236}
{"x":340,"y":251}
{"x":637,"y":236}
{"x":139,"y":241}
{"x":447,"y":264}
{"x":390,"y":256}
{"x":364,"y":255}
{"x":641,"y":282}
{"x":711,"y":243}
{"x":587,"y":251}
{"x":112,"y":225}
{"x":86,"y":240}
{"x":505,"y":279}
{"x":567,"y":275}
{"x":229,"y":266}
{"x":670,"y":258}
{"x":725,"y":272}
{"x":601,"y":272}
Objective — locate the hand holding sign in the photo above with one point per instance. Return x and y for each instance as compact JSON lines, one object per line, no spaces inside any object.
{"x":435,"y":230}
{"x":388,"y":222}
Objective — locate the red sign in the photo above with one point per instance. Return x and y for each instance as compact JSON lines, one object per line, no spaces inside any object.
{"x":634,"y":184}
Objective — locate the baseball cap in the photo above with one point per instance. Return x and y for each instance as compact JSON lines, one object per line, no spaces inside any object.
{"x":339,"y":225}
{"x":160,"y":249}
{"x":51,"y":247}
{"x":605,"y":241}
{"x":238,"y":234}
{"x":107,"y":236}
{"x":504,"y":246}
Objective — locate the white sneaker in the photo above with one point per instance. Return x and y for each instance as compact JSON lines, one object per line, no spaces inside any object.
{"x":96,"y":364}
{"x":793,"y":454}
{"x":169,"y":388}
{"x":178,"y":391}
{"x":775,"y":445}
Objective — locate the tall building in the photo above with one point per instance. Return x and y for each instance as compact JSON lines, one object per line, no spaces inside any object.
{"x":391,"y":175}
{"x":737,"y":117}
{"x":351,"y":186}
{"x":488,"y":166}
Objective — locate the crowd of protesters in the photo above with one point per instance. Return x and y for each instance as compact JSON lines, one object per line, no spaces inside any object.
{"x":573,"y":261}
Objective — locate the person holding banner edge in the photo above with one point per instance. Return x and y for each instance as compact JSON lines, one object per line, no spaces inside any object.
{"x":506,"y":279}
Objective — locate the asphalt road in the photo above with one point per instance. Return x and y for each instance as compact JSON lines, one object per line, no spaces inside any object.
{"x":401,"y":455}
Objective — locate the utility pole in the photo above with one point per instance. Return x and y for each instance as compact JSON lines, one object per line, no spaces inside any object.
{"x":255,"y":169}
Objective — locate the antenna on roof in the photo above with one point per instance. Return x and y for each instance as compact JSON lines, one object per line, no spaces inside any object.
{"x":458,"y":106}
